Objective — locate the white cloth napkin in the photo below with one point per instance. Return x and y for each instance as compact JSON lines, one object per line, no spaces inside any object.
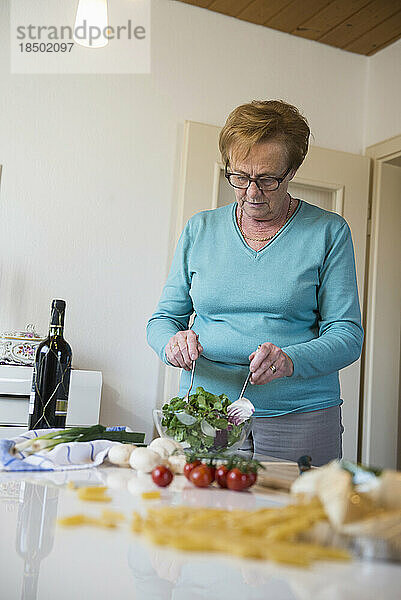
{"x":63,"y":457}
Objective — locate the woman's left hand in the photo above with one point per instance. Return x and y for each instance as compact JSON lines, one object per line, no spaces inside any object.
{"x":268,"y":363}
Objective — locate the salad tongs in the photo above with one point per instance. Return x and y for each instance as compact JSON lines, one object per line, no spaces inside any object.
{"x":181,"y":415}
{"x":242,"y":409}
{"x":191,"y":382}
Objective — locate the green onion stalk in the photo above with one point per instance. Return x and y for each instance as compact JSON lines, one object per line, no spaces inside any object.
{"x":78,"y":434}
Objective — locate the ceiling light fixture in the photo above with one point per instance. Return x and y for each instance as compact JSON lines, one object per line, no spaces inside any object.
{"x":91,"y":22}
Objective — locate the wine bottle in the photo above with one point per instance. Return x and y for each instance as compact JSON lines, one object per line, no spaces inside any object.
{"x":51,"y":375}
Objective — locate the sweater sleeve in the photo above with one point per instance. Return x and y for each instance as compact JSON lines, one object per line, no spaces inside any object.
{"x":175,"y":307}
{"x":340,"y":338}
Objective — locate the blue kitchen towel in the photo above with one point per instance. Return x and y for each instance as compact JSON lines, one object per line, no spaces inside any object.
{"x":63,"y":457}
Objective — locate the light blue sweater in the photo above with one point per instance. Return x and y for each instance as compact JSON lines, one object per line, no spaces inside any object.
{"x":299,"y":292}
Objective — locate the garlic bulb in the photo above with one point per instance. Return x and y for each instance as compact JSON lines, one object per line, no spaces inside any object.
{"x":163,"y":446}
{"x":176,"y":463}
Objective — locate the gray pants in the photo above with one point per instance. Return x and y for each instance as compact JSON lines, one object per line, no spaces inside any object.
{"x":317,"y":433}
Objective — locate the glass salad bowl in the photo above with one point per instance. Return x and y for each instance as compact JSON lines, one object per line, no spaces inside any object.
{"x":202,"y":424}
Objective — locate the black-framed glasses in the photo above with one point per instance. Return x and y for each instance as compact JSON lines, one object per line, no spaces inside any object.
{"x":264,"y":183}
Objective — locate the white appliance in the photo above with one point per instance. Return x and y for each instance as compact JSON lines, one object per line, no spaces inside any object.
{"x":15,"y":386}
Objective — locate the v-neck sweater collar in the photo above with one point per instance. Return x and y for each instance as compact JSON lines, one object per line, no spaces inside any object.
{"x":274,"y":238}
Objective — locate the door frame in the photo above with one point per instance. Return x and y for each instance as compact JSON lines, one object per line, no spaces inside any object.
{"x":380,"y":153}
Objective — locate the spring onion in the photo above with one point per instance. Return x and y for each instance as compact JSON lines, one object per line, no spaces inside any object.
{"x":78,"y":434}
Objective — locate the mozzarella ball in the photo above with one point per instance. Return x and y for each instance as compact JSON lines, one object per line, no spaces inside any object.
{"x":144,"y":459}
{"x":119,"y":454}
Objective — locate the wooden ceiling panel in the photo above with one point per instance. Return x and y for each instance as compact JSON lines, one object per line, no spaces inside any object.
{"x":229,"y":7}
{"x":296,"y":13}
{"x":260,"y":11}
{"x":201,"y":3}
{"x":361,"y":26}
{"x":378,"y":37}
{"x":327,"y":18}
{"x":361,"y":22}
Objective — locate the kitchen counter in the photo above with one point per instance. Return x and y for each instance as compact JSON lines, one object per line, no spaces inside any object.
{"x":41,"y":560}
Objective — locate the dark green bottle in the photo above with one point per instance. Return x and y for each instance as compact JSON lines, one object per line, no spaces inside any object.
{"x":51,"y":375}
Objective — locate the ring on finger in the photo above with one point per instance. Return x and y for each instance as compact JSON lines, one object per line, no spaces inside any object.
{"x":273,"y":368}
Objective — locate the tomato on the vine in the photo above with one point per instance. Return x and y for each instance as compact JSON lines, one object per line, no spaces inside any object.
{"x":201,"y":476}
{"x":162,"y":476}
{"x":236,"y":480}
{"x":252,"y":477}
{"x":189,"y":466}
{"x":221,"y":476}
{"x":237,"y":473}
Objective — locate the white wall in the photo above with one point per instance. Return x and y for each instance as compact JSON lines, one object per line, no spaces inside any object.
{"x":383,"y":114}
{"x":83,"y":215}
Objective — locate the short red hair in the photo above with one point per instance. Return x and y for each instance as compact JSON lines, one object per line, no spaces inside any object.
{"x":261,"y":121}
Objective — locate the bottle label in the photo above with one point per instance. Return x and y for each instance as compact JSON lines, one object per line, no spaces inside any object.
{"x":63,"y":378}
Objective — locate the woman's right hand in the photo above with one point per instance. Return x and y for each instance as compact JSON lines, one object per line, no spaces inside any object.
{"x":183,"y":348}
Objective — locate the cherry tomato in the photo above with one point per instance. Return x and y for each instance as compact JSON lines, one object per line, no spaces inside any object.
{"x":252,"y":477}
{"x":212,"y":472}
{"x":189,"y":466}
{"x":162,"y":476}
{"x":201,"y":476}
{"x":236,"y":480}
{"x":221,"y":476}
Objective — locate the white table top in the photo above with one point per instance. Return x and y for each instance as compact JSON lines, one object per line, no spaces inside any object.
{"x":91,"y":563}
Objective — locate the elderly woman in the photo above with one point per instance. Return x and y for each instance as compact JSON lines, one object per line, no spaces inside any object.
{"x":267,"y":271}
